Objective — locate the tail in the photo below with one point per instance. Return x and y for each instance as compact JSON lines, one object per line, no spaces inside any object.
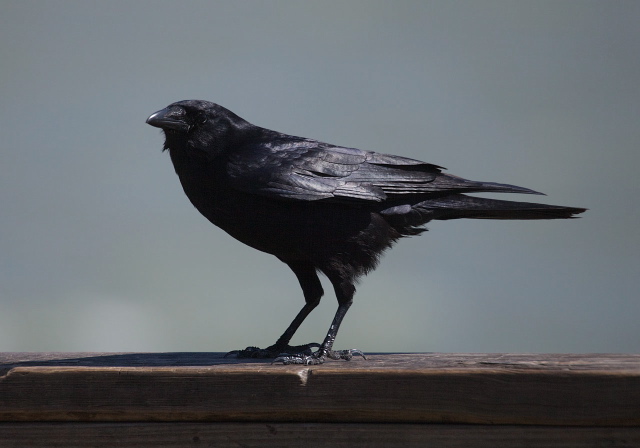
{"x":460,"y":206}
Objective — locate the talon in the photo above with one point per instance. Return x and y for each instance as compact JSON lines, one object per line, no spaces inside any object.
{"x":355,"y":351}
{"x":345,"y":354}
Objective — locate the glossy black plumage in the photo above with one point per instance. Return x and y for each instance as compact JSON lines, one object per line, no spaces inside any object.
{"x":316,"y":206}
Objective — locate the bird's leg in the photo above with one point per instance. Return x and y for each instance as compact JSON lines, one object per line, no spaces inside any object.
{"x":312,"y":289}
{"x":344,"y":293}
{"x":282,"y":344}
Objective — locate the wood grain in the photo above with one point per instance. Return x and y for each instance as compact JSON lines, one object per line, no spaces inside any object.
{"x":506,"y":389}
{"x":295,"y":435}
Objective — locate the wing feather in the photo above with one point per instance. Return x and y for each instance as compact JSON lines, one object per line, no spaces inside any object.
{"x":307,"y":170}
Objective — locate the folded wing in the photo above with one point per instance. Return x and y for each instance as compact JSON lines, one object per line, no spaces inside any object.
{"x":307,"y":170}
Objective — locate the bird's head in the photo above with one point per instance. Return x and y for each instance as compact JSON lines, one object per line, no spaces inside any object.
{"x":200,"y":126}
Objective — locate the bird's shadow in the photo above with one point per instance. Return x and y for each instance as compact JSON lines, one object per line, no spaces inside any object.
{"x":9,"y":361}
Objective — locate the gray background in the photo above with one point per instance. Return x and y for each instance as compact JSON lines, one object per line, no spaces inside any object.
{"x":100,"y":249}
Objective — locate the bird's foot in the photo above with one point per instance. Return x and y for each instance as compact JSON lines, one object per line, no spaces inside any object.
{"x":317,"y":357}
{"x":274,"y":351}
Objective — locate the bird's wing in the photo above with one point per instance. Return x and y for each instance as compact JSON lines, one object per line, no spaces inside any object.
{"x":308,"y":170}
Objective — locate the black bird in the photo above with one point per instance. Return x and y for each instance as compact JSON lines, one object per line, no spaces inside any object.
{"x":316,"y":206}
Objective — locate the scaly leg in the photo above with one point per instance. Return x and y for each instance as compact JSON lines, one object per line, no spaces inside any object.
{"x":344,"y":292}
{"x":312,"y":290}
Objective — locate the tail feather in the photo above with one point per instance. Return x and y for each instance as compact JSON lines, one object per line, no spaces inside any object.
{"x":461,"y":206}
{"x":455,"y":183}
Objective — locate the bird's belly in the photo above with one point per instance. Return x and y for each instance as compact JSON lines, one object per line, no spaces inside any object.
{"x":288,"y":230}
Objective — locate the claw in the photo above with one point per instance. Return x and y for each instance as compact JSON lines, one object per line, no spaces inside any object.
{"x":345,"y":354}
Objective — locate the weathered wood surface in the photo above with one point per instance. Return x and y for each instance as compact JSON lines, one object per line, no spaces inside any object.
{"x":507,"y":389}
{"x":296,"y":435}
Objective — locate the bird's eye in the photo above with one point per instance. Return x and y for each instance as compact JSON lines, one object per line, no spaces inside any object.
{"x":202,"y":119}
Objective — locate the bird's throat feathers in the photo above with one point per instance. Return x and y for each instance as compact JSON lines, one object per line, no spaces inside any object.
{"x":194,"y":147}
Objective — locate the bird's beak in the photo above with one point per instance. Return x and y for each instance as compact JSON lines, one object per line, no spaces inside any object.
{"x":168,"y":118}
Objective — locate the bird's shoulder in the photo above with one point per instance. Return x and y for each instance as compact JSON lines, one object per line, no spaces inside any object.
{"x":288,"y":167}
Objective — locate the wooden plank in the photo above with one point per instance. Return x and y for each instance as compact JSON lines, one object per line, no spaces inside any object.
{"x":585,"y":390}
{"x":334,"y":435}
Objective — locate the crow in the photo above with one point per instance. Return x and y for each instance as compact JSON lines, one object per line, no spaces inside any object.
{"x":317,"y":207}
